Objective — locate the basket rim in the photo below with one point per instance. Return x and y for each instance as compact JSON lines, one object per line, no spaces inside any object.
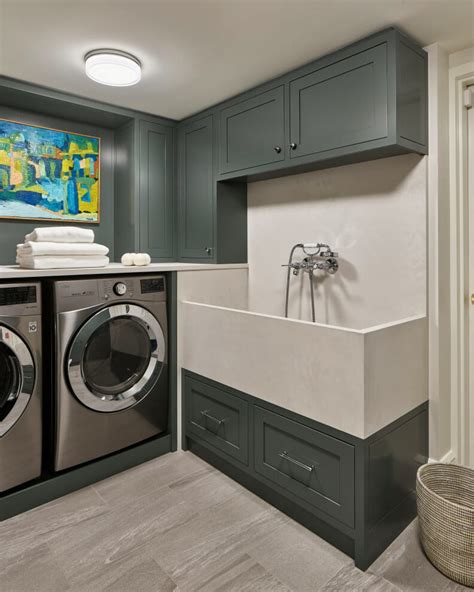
{"x":436,"y":495}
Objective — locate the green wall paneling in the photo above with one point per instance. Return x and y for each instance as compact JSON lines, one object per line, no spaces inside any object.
{"x":127,"y":206}
{"x":156,"y":189}
{"x":124,"y":217}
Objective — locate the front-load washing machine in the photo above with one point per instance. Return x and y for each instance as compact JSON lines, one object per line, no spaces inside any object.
{"x":20,"y":384}
{"x":111,"y":378}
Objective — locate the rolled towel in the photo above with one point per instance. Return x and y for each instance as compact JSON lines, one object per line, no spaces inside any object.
{"x":141,"y":259}
{"x":61,"y":234}
{"x":32,"y":248}
{"x":127,"y":259}
{"x":58,"y":262}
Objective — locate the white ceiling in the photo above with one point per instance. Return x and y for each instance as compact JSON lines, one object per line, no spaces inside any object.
{"x":198,"y":52}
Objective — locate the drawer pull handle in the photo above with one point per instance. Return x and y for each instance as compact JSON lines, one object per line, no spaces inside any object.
{"x":299,"y":464}
{"x":205,"y":413}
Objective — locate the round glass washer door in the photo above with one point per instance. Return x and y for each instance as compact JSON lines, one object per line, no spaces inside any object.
{"x":17,"y":378}
{"x":116,"y":358}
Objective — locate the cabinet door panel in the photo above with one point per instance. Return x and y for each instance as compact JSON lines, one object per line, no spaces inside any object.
{"x":156,"y":189}
{"x":340,"y":105}
{"x":252,"y":132}
{"x":196,"y":191}
{"x":217,"y":417}
{"x":312,"y":465}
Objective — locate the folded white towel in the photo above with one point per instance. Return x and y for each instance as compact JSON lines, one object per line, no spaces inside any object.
{"x":32,"y":248}
{"x":61,"y":234}
{"x":58,"y":262}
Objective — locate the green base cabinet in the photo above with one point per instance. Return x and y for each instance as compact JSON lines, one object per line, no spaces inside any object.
{"x":219,"y":418}
{"x":357,"y":494}
{"x":309,"y":463}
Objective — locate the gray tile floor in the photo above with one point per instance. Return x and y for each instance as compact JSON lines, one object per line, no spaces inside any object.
{"x":177,"y":524}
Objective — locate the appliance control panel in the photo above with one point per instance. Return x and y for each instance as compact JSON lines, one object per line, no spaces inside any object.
{"x":19,"y":299}
{"x":118,"y":289}
{"x":74,"y":295}
{"x":145,"y":288}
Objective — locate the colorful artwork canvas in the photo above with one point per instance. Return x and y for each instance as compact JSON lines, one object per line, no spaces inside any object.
{"x":48,"y":174}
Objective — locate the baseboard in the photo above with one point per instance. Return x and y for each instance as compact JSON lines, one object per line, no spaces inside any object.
{"x":448,"y":458}
{"x":51,"y":487}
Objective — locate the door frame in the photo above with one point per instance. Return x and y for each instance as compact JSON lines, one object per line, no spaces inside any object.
{"x":459,"y":78}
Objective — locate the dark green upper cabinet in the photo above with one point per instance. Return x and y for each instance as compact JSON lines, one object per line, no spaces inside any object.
{"x":341,"y":106}
{"x":212,"y":216}
{"x":252,"y":132}
{"x":412,"y":101}
{"x":196,"y":189}
{"x":156,"y":189}
{"x":365,"y":101}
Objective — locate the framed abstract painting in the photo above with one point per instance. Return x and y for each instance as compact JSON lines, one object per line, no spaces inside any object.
{"x":48,"y":174}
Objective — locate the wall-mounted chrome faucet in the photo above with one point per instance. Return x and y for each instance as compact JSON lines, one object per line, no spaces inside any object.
{"x":317,"y":256}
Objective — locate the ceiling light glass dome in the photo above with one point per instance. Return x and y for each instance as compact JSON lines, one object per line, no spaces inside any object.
{"x":113,"y":67}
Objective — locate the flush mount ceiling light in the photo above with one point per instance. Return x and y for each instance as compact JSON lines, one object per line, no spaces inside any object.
{"x":112,"y":67}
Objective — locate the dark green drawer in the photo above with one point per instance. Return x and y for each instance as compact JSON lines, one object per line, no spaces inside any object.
{"x":308,"y":463}
{"x":217,"y":417}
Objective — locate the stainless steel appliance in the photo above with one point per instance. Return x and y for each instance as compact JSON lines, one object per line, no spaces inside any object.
{"x":20,"y":384}
{"x":111,"y":379}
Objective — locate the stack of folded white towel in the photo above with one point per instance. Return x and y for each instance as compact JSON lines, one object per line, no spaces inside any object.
{"x":61,"y":248}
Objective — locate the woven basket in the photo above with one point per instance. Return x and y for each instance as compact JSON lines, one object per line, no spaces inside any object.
{"x":445,"y":499}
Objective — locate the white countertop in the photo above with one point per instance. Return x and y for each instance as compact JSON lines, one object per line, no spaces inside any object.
{"x":8,"y":272}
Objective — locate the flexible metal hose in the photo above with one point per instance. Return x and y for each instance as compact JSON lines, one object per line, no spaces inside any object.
{"x":311,"y":283}
{"x":290,"y":261}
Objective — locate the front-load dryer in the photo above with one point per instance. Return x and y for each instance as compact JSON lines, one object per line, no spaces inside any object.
{"x":20,"y":384}
{"x":111,"y":378}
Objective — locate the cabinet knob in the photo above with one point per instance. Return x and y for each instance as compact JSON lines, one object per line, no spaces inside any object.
{"x":208,"y":250}
{"x":277,"y":149}
{"x":293,"y":145}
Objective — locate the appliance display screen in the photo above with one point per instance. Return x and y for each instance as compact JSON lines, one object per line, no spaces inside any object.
{"x":17,"y":295}
{"x":150,"y":286}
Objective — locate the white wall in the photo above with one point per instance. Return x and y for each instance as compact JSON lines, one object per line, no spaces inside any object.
{"x":461,"y":57}
{"x":439,"y":255}
{"x":439,"y":240}
{"x":373,"y":214}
